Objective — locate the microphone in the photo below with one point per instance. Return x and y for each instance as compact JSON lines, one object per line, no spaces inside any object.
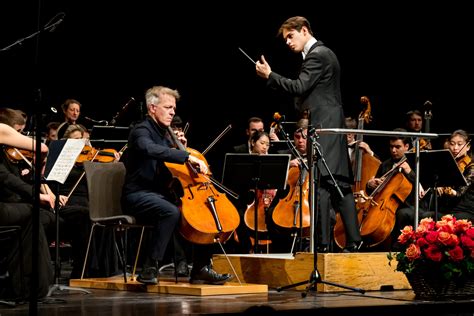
{"x":123,"y":109}
{"x":96,"y":121}
{"x":52,"y":26}
{"x":427,"y":104}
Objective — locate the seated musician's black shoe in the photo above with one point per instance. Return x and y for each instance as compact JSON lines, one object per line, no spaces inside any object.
{"x":352,"y":247}
{"x":149,"y":275}
{"x":208,"y":276}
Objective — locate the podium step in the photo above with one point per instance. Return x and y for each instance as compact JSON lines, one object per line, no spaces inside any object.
{"x":369,"y":271}
{"x":169,"y":286}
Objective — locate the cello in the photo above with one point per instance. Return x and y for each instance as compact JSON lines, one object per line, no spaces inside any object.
{"x":364,"y":166}
{"x":377,"y":219}
{"x":207,"y":216}
{"x":287,"y":213}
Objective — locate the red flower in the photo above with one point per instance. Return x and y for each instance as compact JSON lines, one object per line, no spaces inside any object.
{"x":456,"y":254}
{"x":433,"y":253}
{"x":445,"y":247}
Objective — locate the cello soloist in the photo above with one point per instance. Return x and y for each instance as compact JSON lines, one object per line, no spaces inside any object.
{"x":146,"y":194}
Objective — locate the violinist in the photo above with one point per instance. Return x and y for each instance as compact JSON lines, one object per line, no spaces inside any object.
{"x":16,"y":206}
{"x":74,"y":216}
{"x":51,"y":132}
{"x":72,"y":110}
{"x":459,"y":201}
{"x":405,"y":214}
{"x":147,"y":194}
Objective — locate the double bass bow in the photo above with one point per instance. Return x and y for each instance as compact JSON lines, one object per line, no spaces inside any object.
{"x":207,"y":216}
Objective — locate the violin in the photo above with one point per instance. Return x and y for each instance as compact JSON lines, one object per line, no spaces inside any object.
{"x":16,"y":155}
{"x":89,"y":153}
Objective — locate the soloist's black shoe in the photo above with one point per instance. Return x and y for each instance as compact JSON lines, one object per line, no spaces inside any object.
{"x":149,"y":275}
{"x":182,"y":270}
{"x":208,"y":276}
{"x":352,"y":247}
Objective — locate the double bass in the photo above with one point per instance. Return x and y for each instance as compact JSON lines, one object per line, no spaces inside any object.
{"x":207,"y":215}
{"x":364,"y":166}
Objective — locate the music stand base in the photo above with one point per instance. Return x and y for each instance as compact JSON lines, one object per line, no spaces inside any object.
{"x":313,"y":281}
{"x":60,"y":287}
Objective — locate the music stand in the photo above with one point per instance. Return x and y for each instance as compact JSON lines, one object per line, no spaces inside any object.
{"x":61,"y":158}
{"x":252,"y":171}
{"x":437,"y":169}
{"x":115,"y":137}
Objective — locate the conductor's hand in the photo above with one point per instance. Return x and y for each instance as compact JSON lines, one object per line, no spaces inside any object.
{"x":263,"y":68}
{"x":201,"y":165}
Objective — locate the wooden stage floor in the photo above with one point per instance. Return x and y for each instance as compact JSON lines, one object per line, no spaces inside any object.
{"x":109,"y":302}
{"x":288,"y":302}
{"x":135,"y":299}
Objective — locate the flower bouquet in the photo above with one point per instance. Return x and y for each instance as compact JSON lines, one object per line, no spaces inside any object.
{"x":438,"y":258}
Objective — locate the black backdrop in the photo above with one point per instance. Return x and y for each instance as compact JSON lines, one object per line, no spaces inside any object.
{"x":106,"y":52}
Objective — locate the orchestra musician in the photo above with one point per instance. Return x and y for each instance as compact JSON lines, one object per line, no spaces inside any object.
{"x":72,"y":110}
{"x":282,"y":242}
{"x":414,"y":123}
{"x":146,"y":193}
{"x":16,"y":207}
{"x":74,"y":219}
{"x":459,"y":201}
{"x":254,"y":124}
{"x":405,"y":213}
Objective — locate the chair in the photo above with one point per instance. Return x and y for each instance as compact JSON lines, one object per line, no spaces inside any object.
{"x":104,"y":183}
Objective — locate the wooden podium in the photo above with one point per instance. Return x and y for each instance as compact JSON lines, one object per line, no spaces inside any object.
{"x":369,"y":271}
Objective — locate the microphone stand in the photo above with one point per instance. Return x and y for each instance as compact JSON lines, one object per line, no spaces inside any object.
{"x":315,"y":277}
{"x":50,"y":26}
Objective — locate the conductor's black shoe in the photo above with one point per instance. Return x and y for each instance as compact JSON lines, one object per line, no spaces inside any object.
{"x":149,"y":275}
{"x":208,"y":276}
{"x":352,"y":247}
{"x":182,"y":270}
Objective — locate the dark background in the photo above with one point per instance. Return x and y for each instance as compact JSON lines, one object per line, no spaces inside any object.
{"x":105,"y":52}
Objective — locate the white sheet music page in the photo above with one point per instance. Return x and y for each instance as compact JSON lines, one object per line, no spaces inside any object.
{"x":66,"y":160}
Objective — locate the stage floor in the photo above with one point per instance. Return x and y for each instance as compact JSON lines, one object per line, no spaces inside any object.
{"x":141,"y":301}
{"x":118,"y":302}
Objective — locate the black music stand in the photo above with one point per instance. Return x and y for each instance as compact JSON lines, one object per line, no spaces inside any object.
{"x":437,"y":169}
{"x":115,"y":137}
{"x":55,"y":149}
{"x":252,"y":171}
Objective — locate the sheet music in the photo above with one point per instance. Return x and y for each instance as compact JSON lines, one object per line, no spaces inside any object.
{"x":66,"y":160}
